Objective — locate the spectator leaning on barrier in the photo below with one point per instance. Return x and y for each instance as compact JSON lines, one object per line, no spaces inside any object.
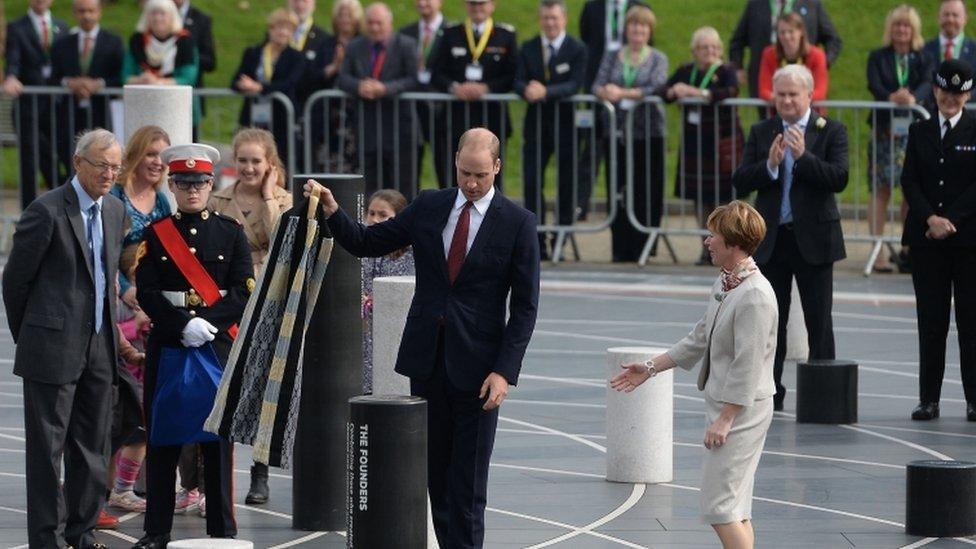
{"x":427,"y":31}
{"x":626,"y":77}
{"x":757,"y":29}
{"x":84,"y":61}
{"x":267,"y":68}
{"x":476,"y":57}
{"x":793,"y":47}
{"x":316,"y":45}
{"x":796,"y":162}
{"x":938,"y":184}
{"x":378,"y":67}
{"x":899,"y":72}
{"x":552,"y":67}
{"x":28,"y":60}
{"x":704,"y":164}
{"x":952,"y":42}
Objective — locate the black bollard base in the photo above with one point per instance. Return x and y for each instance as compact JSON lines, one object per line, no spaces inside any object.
{"x":941,"y":499}
{"x":387,"y":468}
{"x":826,"y":391}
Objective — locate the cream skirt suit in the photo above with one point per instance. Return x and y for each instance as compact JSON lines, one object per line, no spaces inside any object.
{"x":735,"y":341}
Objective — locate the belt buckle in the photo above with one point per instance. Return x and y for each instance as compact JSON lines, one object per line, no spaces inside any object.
{"x":193,"y":299}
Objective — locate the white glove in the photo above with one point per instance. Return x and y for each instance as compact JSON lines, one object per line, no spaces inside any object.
{"x":197,"y":332}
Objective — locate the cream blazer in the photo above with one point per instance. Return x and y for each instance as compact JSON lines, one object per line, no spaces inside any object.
{"x":736,"y":342}
{"x":257,"y":227}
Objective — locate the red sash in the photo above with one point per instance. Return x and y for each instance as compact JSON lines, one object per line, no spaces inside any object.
{"x":188,"y":264}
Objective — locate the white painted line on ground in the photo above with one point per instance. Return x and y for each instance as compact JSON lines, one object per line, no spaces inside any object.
{"x":545,"y":470}
{"x":12,"y":437}
{"x":566,"y":352}
{"x":554,"y":403}
{"x":670,"y":324}
{"x":303,"y":539}
{"x":545,"y":429}
{"x":906,"y":397}
{"x":920,"y":543}
{"x":270,"y":474}
{"x":919,"y":447}
{"x":120,"y":535}
{"x":129,"y":516}
{"x":12,"y":395}
{"x":13,"y":510}
{"x":636,"y":493}
{"x":601,"y":338}
{"x":263,"y":511}
{"x":908,"y":430}
{"x":563,"y":525}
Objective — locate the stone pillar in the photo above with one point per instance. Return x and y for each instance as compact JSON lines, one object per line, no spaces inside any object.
{"x":391,"y":301}
{"x":640,"y":423}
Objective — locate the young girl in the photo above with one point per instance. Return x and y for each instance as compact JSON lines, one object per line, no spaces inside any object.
{"x":383,"y":205}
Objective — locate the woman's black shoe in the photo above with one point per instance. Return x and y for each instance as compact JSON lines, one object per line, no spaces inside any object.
{"x":158,"y":541}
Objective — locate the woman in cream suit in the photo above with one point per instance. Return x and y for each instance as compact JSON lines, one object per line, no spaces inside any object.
{"x":735,"y":341}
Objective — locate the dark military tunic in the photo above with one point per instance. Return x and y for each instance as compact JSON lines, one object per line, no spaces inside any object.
{"x":939,"y":178}
{"x":221,"y":246}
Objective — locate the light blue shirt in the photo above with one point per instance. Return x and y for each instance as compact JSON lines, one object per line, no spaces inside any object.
{"x":94,"y":233}
{"x":785,"y":208}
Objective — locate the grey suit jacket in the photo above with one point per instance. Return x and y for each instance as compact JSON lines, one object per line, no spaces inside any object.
{"x":399,"y":71}
{"x":49,"y":289}
{"x":736,"y":341}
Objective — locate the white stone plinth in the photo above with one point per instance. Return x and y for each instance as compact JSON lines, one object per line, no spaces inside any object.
{"x":640,"y":423}
{"x":797,"y":347}
{"x":392,"y":296}
{"x":210,"y":543}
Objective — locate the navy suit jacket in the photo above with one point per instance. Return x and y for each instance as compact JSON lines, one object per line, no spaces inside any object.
{"x":24,"y":55}
{"x":106,"y":63}
{"x":967,"y":54}
{"x":502,"y":265}
{"x":288,"y":70}
{"x":565,"y":79}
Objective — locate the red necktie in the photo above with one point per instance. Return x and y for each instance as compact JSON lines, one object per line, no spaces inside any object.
{"x":86,"y":54}
{"x":379,"y":58}
{"x":948,"y":52}
{"x":424,"y":44}
{"x":45,"y":39}
{"x":459,"y":243}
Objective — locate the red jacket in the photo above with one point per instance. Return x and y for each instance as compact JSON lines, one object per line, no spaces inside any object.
{"x":816,"y":61}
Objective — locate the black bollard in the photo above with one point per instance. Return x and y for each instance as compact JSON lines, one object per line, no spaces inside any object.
{"x":332,"y":374}
{"x":940,"y":499}
{"x":826,"y":391}
{"x":387,"y":466}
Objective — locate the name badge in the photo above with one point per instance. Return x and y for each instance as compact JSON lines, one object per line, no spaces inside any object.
{"x":423,"y":77}
{"x":694,"y":118}
{"x":584,"y":118}
{"x":473,"y":72}
{"x":46,"y":71}
{"x":459,"y":52}
{"x":261,"y":112}
{"x":627,"y":104}
{"x":562,"y":68}
{"x":900,"y":124}
{"x":613,"y":45}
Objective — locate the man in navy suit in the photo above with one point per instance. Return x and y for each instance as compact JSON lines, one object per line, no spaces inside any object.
{"x":475,"y":251}
{"x":85,"y":61}
{"x":951,"y":43}
{"x":28,"y":55}
{"x":551,"y":67}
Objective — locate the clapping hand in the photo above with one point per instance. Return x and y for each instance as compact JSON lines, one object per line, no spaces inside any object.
{"x":633,"y":374}
{"x":776,"y":152}
{"x":795,"y":141}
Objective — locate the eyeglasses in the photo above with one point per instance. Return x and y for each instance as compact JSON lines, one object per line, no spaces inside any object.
{"x":195,"y":185}
{"x":103,"y":167}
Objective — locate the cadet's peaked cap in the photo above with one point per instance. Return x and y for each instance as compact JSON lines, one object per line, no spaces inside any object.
{"x":955,"y":76}
{"x":192,"y":162}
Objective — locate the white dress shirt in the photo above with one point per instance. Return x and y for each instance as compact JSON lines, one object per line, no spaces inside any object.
{"x":556,"y":44}
{"x":952,"y":122}
{"x":478,"y":210}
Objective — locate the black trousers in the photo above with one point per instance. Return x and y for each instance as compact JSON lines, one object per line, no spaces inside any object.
{"x":816,"y":286}
{"x":161,"y":463}
{"x":627,"y":242}
{"x":34,"y":125}
{"x":460,"y":438}
{"x":76,"y":419}
{"x":941,"y":276}
{"x":535,"y":156}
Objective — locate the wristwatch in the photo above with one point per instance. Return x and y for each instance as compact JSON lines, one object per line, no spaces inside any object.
{"x":706,"y":95}
{"x":651,"y":369}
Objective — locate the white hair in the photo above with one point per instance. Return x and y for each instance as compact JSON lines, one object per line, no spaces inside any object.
{"x":168,"y":6}
{"x":795,"y":73}
{"x":705,"y":33}
{"x":98,"y":139}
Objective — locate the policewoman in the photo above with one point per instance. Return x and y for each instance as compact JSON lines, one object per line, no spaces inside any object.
{"x":193,"y":278}
{"x":939,"y":182}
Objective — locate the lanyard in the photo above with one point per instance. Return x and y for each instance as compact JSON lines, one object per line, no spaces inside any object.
{"x":615,"y":18}
{"x":547,"y":62}
{"x":705,"y":79}
{"x":774,"y":7}
{"x":630,"y":71}
{"x":267,"y":62}
{"x":299,"y":44}
{"x":784,"y":61}
{"x":901,"y":70}
{"x":479,"y":48}
{"x":425,"y":47}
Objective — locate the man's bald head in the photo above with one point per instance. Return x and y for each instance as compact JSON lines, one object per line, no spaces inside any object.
{"x":481,"y":138}
{"x":379,"y":22}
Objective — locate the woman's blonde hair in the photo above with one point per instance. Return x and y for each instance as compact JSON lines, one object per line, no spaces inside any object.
{"x":643,"y":16}
{"x":283,"y":16}
{"x":739,"y":224}
{"x":135,"y":150}
{"x":705,"y":33}
{"x":168,"y":6}
{"x":266,"y":141}
{"x":904,"y":12}
{"x":355,"y":10}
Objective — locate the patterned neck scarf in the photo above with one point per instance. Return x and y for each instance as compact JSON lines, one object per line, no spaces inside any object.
{"x":741,"y":271}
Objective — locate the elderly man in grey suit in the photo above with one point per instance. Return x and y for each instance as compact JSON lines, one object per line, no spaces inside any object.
{"x":59,"y":291}
{"x":378,"y":66}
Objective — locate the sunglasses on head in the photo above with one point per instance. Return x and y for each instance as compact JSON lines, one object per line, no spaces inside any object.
{"x":195,"y":185}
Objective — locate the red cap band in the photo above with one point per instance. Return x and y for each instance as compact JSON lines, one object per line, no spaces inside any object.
{"x":190,"y":165}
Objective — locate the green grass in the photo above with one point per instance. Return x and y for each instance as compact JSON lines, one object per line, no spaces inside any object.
{"x":240,"y":24}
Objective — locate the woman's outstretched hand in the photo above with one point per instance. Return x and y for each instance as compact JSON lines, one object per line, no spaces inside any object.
{"x":633,"y":374}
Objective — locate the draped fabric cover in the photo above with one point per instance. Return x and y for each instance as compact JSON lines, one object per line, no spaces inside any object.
{"x":258,"y":399}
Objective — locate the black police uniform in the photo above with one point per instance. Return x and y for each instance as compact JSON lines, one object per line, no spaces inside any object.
{"x":939,"y":178}
{"x":221,"y":246}
{"x":448,"y":65}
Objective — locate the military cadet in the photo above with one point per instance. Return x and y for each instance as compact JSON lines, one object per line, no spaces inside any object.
{"x":474,"y":58}
{"x":193,"y":278}
{"x":938,"y":183}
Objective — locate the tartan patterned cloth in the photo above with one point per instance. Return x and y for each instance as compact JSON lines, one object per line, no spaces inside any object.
{"x":259,"y":395}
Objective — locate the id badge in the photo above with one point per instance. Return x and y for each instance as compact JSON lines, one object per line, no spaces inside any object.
{"x":46,"y":71}
{"x":614,"y":45}
{"x":473,"y":72}
{"x":694,"y":117}
{"x":900,"y":124}
{"x":261,"y":112}
{"x":627,"y":104}
{"x":423,"y":77}
{"x":584,"y":118}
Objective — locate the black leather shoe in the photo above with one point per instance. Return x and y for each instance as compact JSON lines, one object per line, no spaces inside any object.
{"x":259,"y":492}
{"x":971,"y":411}
{"x":926,"y":411}
{"x":158,"y":541}
{"x":778,"y":400}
